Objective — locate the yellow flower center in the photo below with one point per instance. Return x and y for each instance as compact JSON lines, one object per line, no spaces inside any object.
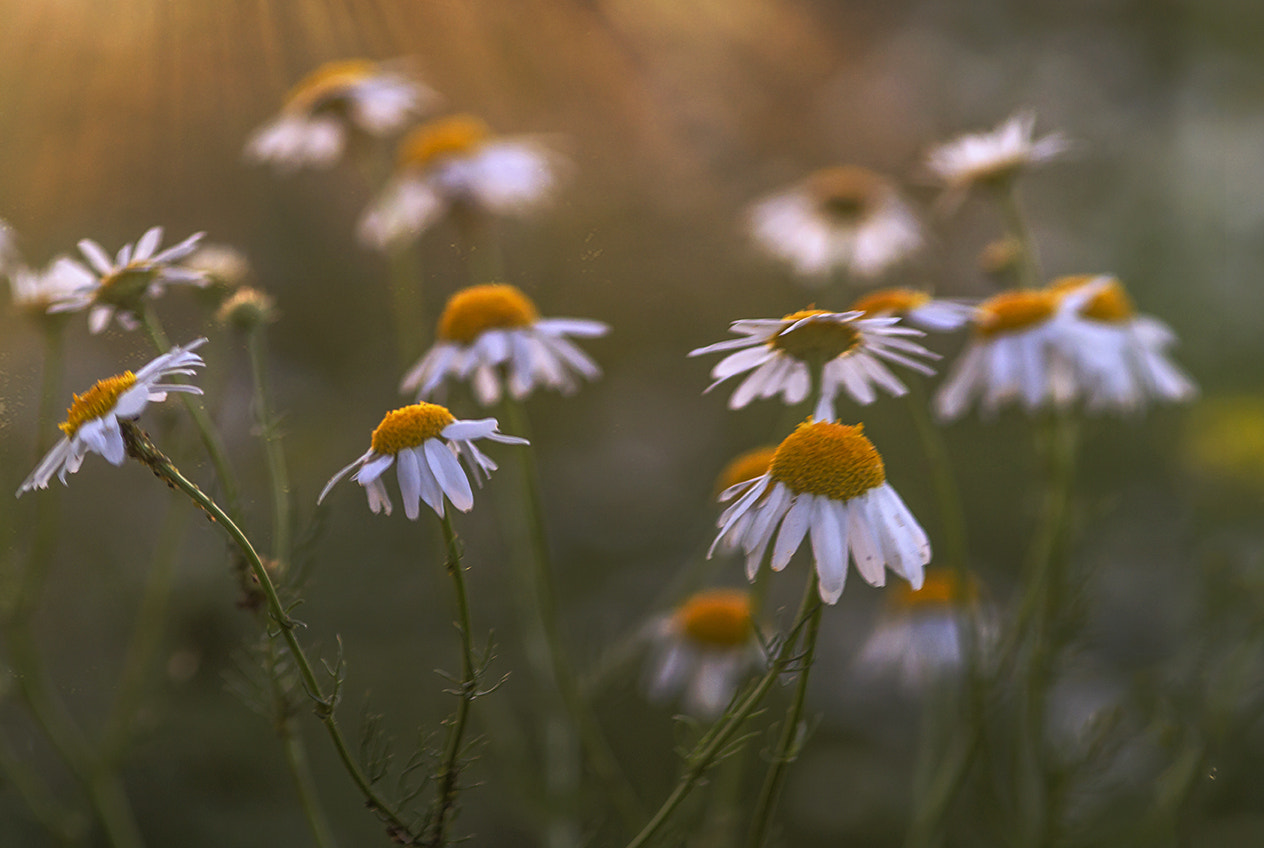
{"x":745,"y":467}
{"x":940,"y":590}
{"x":815,"y":341}
{"x":96,"y":401}
{"x":890,"y":301}
{"x":846,"y":193}
{"x":328,"y":82}
{"x":457,"y":135}
{"x":410,"y":426}
{"x":1110,"y":305}
{"x":1011,"y":311}
{"x":833,"y":460}
{"x":719,"y":618}
{"x":477,"y":309}
{"x":1001,"y":256}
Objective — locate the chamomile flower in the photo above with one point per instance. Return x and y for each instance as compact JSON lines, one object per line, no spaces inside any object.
{"x":114,"y":288}
{"x":993,"y":159}
{"x":848,"y":348}
{"x":827,"y":482}
{"x":35,"y":291}
{"x":746,"y":466}
{"x":457,"y":161}
{"x":842,"y":217}
{"x":92,"y":421}
{"x":424,"y":441}
{"x":492,"y":332}
{"x":328,"y":104}
{"x":703,"y":649}
{"x":1024,"y":350}
{"x":915,"y":307}
{"x":1123,"y":354}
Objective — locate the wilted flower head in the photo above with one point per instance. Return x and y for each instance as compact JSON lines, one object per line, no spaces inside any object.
{"x":844,"y":217}
{"x":782,"y":353}
{"x":423,"y":441}
{"x":826,"y":481}
{"x":915,"y":307}
{"x":703,"y":649}
{"x":458,"y":161}
{"x":115,"y":288}
{"x":492,"y":332}
{"x":993,"y":159}
{"x":318,"y":113}
{"x":92,"y":421}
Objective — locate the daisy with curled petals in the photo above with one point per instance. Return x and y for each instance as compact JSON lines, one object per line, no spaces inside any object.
{"x":993,"y":159}
{"x":746,"y":466}
{"x":492,"y":332}
{"x":92,"y":421}
{"x":424,"y":442}
{"x":827,"y":482}
{"x":1123,"y":353}
{"x":115,"y":288}
{"x":915,"y":307}
{"x":703,"y":649}
{"x":846,"y":347}
{"x":843,"y":217}
{"x":457,"y":161}
{"x":328,"y":104}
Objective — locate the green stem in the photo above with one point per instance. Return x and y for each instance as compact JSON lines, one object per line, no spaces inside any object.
{"x":789,"y":745}
{"x":300,"y":770}
{"x":1016,"y":225}
{"x":141,"y":448}
{"x":445,"y":799}
{"x":278,"y":472}
{"x":713,"y":743}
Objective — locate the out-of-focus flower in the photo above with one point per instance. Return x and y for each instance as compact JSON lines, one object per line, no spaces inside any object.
{"x":704,"y":649}
{"x":1002,"y":258}
{"x":1123,"y":353}
{"x":246,"y":309}
{"x":458,"y":161}
{"x":35,"y":291}
{"x":225,"y":267}
{"x":92,"y":421}
{"x":424,"y":441}
{"x":326,"y":105}
{"x":993,"y":159}
{"x":915,"y":307}
{"x":843,"y":217}
{"x":116,"y":288}
{"x":782,"y":353}
{"x":490,"y":327}
{"x":918,"y":638}
{"x":827,"y":482}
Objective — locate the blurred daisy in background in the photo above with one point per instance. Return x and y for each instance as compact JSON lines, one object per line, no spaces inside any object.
{"x":335,"y":100}
{"x":92,"y":421}
{"x":704,"y":649}
{"x":993,"y":159}
{"x":492,"y":333}
{"x":845,"y":217}
{"x":424,"y":441}
{"x":915,"y":307}
{"x":457,"y":161}
{"x":33,"y":292}
{"x":826,"y":482}
{"x":743,"y":468}
{"x":782,"y":355}
{"x":115,"y":288}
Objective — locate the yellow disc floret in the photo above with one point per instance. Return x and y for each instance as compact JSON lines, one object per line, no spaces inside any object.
{"x":477,"y":309}
{"x":718,"y":618}
{"x":747,"y":466}
{"x":832,"y":460}
{"x":410,"y":426}
{"x":846,"y":193}
{"x":815,"y":341}
{"x":941,"y":589}
{"x":96,"y":401}
{"x":1011,"y":311}
{"x":457,"y":135}
{"x":1111,"y":304}
{"x":328,"y":82}
{"x":890,"y":301}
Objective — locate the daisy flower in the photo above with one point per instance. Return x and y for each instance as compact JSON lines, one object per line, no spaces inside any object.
{"x":34,"y":292}
{"x":848,"y":348}
{"x":1123,"y":353}
{"x":915,"y":307}
{"x":827,"y":483}
{"x":456,"y":161}
{"x":92,"y":421}
{"x":492,"y":332}
{"x":993,"y":158}
{"x":338,"y":97}
{"x":843,"y":217}
{"x":744,"y":467}
{"x":704,"y":649}
{"x":423,"y":441}
{"x":114,"y":288}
